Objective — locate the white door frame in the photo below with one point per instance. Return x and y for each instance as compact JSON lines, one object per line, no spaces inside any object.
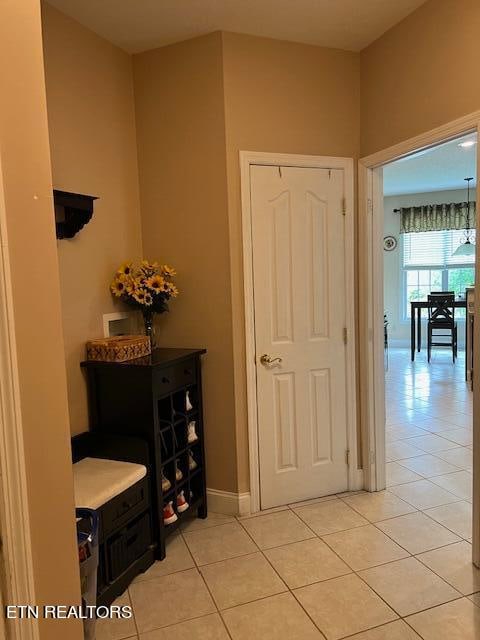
{"x":14,"y":517}
{"x":371,"y":216}
{"x":247,"y":159}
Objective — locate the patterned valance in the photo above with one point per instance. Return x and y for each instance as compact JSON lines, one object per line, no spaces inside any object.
{"x":437,"y":217}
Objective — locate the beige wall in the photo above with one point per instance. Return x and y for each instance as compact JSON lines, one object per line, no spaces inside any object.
{"x":30,"y":244}
{"x":421,"y":74}
{"x":181,"y":151}
{"x":197,"y":104}
{"x":93,"y":147}
{"x":283,"y":97}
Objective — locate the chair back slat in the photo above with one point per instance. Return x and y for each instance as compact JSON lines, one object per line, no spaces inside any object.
{"x":441,"y":307}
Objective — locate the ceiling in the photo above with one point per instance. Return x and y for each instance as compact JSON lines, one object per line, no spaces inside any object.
{"x":139,"y":25}
{"x":439,"y":168}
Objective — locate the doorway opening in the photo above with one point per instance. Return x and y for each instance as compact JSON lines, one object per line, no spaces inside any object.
{"x":372,"y":328}
{"x":429,"y":206}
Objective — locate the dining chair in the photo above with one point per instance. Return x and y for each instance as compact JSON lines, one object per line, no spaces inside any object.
{"x":441,"y":317}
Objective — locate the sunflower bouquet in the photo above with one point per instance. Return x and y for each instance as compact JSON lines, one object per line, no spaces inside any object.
{"x":147,"y":287}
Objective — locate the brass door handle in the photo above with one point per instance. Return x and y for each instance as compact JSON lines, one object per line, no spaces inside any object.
{"x":266,"y":359}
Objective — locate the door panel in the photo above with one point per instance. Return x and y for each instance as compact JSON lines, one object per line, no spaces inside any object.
{"x":285,"y":421}
{"x":299,"y":292}
{"x":282,"y":316}
{"x":318,"y":259}
{"x":321,"y":422}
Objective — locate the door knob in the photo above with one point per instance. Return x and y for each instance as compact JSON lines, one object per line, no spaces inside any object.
{"x":266,"y":359}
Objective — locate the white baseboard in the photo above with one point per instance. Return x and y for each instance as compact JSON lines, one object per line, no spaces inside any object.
{"x":232,"y":504}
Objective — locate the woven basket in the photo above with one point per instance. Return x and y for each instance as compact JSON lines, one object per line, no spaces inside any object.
{"x":118,"y":348}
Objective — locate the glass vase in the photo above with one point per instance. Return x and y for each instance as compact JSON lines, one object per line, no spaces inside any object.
{"x":149,"y":326}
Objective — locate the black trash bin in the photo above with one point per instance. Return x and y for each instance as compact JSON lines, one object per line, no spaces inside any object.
{"x":87,"y":537}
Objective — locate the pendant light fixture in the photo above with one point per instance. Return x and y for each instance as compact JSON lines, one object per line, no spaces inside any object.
{"x":467,"y":246}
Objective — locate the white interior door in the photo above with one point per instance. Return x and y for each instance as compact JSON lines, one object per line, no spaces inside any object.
{"x":298,"y":237}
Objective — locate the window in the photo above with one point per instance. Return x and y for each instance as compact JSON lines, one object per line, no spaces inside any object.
{"x":429,"y":265}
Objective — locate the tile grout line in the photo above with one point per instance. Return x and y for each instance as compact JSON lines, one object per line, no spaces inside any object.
{"x":432,"y":507}
{"x":127,"y":591}
{"x":443,"y":525}
{"x":454,"y":427}
{"x":411,"y":513}
{"x":207,"y":587}
{"x":410,"y":555}
{"x":261,"y":551}
{"x":368,"y":522}
{"x":289,"y":590}
{"x":346,"y":563}
{"x":353,"y":572}
{"x":464,"y":595}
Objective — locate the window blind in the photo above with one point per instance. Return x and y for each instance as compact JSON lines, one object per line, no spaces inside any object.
{"x":434,"y":249}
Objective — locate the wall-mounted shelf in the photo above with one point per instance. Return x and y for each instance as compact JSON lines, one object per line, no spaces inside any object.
{"x":72,"y":212}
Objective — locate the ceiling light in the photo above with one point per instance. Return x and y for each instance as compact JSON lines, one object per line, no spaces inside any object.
{"x":465,"y":249}
{"x":466,"y":144}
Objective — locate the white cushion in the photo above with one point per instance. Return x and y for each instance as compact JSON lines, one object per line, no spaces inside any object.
{"x":96,"y":481}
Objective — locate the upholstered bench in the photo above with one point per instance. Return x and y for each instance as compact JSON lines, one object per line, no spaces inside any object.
{"x":119,"y":492}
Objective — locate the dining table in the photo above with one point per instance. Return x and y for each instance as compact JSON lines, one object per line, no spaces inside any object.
{"x":416,"y":308}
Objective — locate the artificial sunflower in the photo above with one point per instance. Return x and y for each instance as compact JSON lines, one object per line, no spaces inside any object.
{"x":118,"y":287}
{"x":148,"y":268}
{"x":172,"y":290}
{"x":146,"y":264}
{"x":131,"y":284}
{"x":139,"y":295}
{"x":156,"y":283}
{"x":148,"y":286}
{"x":168,"y":271}
{"x":125,"y":269}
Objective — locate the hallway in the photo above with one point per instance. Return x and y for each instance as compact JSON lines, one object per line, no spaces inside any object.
{"x":394,"y":565}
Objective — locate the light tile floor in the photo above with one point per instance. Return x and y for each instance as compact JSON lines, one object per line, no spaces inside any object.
{"x":388,"y":566}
